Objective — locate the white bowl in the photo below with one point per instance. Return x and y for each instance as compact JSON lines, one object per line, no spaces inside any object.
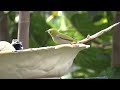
{"x":43,"y":62}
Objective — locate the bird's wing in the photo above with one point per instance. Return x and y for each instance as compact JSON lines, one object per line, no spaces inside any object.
{"x":65,"y":37}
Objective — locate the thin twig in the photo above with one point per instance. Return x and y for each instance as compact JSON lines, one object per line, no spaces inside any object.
{"x":89,"y":38}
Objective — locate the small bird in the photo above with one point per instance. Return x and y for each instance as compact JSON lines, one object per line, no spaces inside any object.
{"x":17,"y":44}
{"x":60,"y":38}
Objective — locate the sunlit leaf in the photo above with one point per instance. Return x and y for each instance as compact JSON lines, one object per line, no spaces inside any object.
{"x":6,"y":12}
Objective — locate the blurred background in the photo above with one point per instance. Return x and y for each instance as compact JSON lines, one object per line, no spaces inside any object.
{"x":91,"y":62}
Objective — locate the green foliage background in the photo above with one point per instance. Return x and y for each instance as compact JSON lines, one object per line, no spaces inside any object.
{"x":92,"y":62}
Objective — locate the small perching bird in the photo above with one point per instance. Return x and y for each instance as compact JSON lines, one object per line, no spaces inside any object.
{"x":60,"y":38}
{"x":17,"y":44}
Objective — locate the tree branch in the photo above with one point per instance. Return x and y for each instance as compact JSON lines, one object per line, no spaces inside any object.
{"x":89,"y":38}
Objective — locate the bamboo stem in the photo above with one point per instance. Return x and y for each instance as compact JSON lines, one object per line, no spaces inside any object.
{"x":23,"y":28}
{"x":116,"y":44}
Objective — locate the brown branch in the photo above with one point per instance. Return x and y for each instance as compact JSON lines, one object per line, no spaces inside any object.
{"x":23,"y":28}
{"x":89,"y":38}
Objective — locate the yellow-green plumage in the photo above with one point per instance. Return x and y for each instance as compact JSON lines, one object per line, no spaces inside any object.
{"x":60,"y":38}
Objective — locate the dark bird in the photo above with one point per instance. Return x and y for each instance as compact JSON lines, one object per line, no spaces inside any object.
{"x":17,"y":44}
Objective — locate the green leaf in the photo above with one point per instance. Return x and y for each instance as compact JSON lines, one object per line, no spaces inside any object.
{"x":93,"y":61}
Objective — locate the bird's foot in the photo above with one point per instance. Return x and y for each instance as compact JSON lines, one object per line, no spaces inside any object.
{"x":75,"y":45}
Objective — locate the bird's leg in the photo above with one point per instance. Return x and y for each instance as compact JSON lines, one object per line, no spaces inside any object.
{"x":75,"y":45}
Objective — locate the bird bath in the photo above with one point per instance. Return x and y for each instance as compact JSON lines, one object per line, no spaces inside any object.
{"x":43,"y":62}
